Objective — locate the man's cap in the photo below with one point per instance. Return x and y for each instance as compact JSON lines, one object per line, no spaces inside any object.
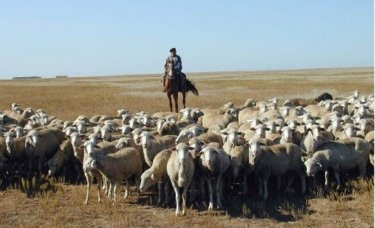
{"x":172,"y":50}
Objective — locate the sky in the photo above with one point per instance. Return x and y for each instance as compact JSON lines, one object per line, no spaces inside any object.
{"x":95,"y":37}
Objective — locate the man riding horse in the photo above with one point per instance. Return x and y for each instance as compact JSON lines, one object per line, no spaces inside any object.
{"x":176,"y":62}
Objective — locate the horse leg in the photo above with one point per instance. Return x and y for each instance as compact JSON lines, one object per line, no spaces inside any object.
{"x":184,"y":99}
{"x":170,"y":102}
{"x":175,"y":97}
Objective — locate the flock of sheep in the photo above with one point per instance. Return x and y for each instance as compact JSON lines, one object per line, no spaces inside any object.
{"x":195,"y":150}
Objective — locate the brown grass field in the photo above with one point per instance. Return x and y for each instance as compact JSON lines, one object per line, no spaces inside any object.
{"x":61,"y":205}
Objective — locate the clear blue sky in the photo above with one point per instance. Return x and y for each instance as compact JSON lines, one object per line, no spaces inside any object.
{"x":78,"y":38}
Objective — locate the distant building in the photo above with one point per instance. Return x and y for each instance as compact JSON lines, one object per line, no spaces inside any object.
{"x":26,"y":78}
{"x":61,"y":76}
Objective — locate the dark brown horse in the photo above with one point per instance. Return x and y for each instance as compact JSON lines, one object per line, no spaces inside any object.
{"x":177,"y":83}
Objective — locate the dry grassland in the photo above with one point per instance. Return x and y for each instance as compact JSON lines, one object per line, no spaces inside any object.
{"x":62,"y":205}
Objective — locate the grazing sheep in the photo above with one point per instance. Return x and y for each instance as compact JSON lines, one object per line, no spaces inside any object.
{"x":275,"y":160}
{"x":157,"y":173}
{"x":213,"y":163}
{"x":64,"y":155}
{"x":340,"y":155}
{"x":152,"y":146}
{"x":41,"y":145}
{"x":117,"y":167}
{"x":180,"y":168}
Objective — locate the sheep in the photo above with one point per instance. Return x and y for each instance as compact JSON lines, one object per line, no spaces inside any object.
{"x":220,"y":119}
{"x":157,"y":173}
{"x":339,"y":155}
{"x":169,"y":128}
{"x":370,"y":138}
{"x":213,"y":163}
{"x":180,"y":169}
{"x":20,"y":119}
{"x":3,"y":153}
{"x":41,"y":145}
{"x":15,"y":148}
{"x":236,"y":148}
{"x":64,"y":155}
{"x":186,"y":134}
{"x":312,"y":139}
{"x":208,"y":138}
{"x":275,"y":160}
{"x":81,"y":153}
{"x":152,"y":146}
{"x":117,"y":167}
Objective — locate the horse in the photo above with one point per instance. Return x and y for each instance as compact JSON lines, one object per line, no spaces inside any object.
{"x":177,"y":83}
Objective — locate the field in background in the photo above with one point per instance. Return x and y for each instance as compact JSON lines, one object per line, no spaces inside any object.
{"x":68,"y":98}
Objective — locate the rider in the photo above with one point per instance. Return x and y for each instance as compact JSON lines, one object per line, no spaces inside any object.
{"x":177,"y":63}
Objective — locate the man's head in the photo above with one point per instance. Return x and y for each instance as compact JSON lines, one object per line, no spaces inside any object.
{"x":173,"y":51}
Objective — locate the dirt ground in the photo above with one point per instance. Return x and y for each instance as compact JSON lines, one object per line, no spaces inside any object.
{"x":61,"y":205}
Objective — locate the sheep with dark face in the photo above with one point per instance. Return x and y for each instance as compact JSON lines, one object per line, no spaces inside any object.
{"x":180,"y":168}
{"x":65,"y":156}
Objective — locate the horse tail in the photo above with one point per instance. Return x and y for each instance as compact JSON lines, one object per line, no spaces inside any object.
{"x":191,"y":87}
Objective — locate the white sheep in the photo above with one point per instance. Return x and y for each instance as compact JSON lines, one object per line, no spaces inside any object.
{"x":157,"y":173}
{"x":275,"y":160}
{"x":341,"y":155}
{"x":214,"y":162}
{"x":152,"y":146}
{"x":117,"y":167}
{"x":180,"y":168}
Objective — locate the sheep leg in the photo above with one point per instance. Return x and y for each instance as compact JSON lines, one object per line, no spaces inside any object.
{"x":160,"y":186}
{"x":114,"y":190}
{"x":219,"y":190}
{"x":40,"y":166}
{"x":99,"y":180}
{"x":88,"y":180}
{"x":211,"y":193}
{"x":290,"y":182}
{"x":184,"y":196}
{"x":244,"y":184}
{"x":278,"y":182}
{"x":265,"y":187}
{"x":177,"y":192}
{"x":336,"y":173}
{"x":326,"y":177}
{"x":126,"y":194}
{"x":203,"y":191}
{"x":166,"y":193}
{"x":260,"y":189}
{"x":303,"y":184}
